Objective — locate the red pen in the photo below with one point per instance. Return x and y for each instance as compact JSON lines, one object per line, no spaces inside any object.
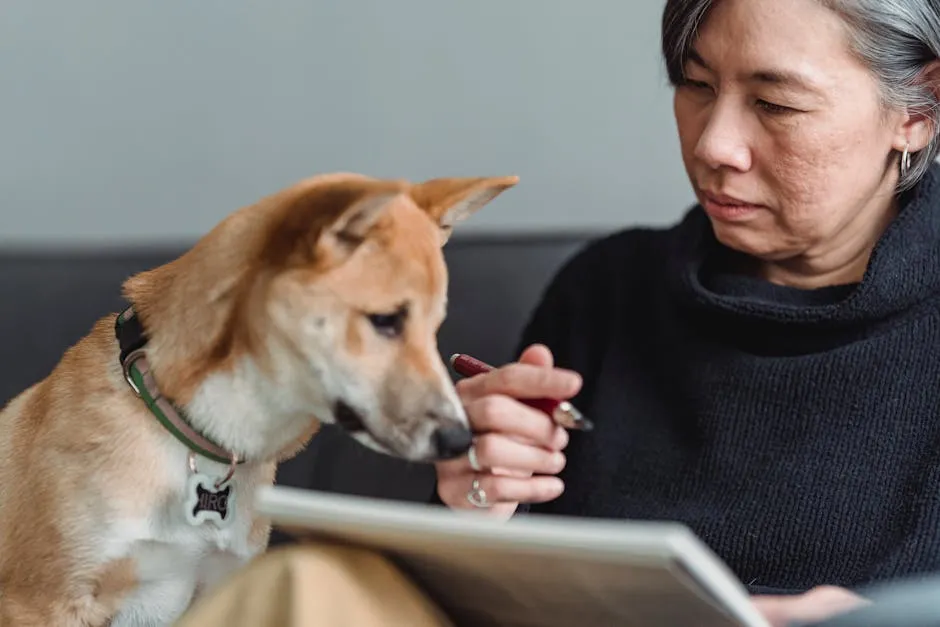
{"x":562,"y":412}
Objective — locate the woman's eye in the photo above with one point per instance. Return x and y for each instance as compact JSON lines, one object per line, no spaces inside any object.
{"x":697,"y":84}
{"x":770,"y":107}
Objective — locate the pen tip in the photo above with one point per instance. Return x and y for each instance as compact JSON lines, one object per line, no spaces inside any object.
{"x":580,"y":421}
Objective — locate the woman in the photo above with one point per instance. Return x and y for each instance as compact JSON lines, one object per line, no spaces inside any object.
{"x":766,"y":370}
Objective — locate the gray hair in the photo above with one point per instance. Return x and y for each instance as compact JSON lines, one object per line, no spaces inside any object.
{"x":896,"y":39}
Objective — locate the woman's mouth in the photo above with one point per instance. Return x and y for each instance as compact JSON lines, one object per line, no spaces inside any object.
{"x":727,"y":208}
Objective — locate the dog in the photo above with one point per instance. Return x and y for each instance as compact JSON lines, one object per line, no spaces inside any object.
{"x":127,"y":475}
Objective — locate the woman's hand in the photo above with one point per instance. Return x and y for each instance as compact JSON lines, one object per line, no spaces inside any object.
{"x":518,"y":448}
{"x":815,"y":605}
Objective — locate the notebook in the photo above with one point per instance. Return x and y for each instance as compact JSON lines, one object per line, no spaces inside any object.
{"x":544,"y":571}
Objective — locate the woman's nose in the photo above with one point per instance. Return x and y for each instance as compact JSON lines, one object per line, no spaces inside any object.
{"x":723,"y":142}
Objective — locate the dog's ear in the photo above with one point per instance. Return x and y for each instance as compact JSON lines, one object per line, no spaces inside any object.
{"x":451,"y":200}
{"x":352,"y":226}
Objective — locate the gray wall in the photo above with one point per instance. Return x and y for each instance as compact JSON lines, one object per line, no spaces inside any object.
{"x":126,"y":121}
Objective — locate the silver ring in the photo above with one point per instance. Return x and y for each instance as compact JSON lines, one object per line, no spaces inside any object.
{"x":476,"y":496}
{"x":472,"y":457}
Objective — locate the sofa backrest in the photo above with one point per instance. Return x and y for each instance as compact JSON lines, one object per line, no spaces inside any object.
{"x":50,"y":298}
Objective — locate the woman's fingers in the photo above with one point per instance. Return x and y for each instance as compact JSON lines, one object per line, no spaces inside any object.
{"x":503,"y":454}
{"x":497,"y":451}
{"x":502,"y":414}
{"x":815,"y":605}
{"x":501,"y":489}
{"x":538,"y":355}
{"x":520,"y":380}
{"x":511,"y":472}
{"x":517,"y":448}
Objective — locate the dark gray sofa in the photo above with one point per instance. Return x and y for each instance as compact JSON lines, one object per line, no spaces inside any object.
{"x":50,"y":298}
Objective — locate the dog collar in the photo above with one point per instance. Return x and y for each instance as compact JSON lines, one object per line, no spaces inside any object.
{"x":132,"y":340}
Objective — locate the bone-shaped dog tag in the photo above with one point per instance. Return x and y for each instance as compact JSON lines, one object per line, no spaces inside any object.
{"x":205,"y":502}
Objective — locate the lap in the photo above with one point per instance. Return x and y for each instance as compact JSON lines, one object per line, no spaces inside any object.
{"x":316,"y":584}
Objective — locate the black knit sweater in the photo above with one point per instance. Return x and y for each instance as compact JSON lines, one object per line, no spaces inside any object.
{"x":795,"y":431}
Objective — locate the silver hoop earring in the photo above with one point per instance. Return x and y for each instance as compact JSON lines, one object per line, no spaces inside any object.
{"x":905,"y":160}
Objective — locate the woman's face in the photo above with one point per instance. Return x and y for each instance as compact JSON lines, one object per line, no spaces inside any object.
{"x":783,"y":134}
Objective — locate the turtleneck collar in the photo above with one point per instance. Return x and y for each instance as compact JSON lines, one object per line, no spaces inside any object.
{"x":903,"y":270}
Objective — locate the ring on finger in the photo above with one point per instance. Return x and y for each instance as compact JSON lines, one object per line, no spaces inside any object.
{"x":477,"y":495}
{"x":472,"y":458}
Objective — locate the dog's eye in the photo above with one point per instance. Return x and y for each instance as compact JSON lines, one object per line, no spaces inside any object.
{"x":389,"y":324}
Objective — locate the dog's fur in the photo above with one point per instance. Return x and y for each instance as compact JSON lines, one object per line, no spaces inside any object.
{"x":327,"y":294}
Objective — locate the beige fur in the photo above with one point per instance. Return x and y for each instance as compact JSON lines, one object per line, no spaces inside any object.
{"x":256,"y":332}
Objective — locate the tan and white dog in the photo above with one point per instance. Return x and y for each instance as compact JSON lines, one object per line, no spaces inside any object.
{"x":126,"y":476}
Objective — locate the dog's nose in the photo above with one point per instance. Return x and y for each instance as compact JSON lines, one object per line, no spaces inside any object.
{"x":452,"y":441}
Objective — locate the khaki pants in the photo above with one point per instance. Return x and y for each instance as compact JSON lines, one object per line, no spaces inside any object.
{"x":310,"y":585}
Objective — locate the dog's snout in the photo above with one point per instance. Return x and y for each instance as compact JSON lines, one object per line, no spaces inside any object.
{"x":452,"y":441}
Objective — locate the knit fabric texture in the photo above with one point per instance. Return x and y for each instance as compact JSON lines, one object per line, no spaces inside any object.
{"x":796,"y":432}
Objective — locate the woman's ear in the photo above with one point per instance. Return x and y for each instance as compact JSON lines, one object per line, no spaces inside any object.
{"x":918,"y":127}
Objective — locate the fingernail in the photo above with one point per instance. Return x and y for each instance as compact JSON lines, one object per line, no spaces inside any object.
{"x":558,"y":461}
{"x":574,"y":383}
